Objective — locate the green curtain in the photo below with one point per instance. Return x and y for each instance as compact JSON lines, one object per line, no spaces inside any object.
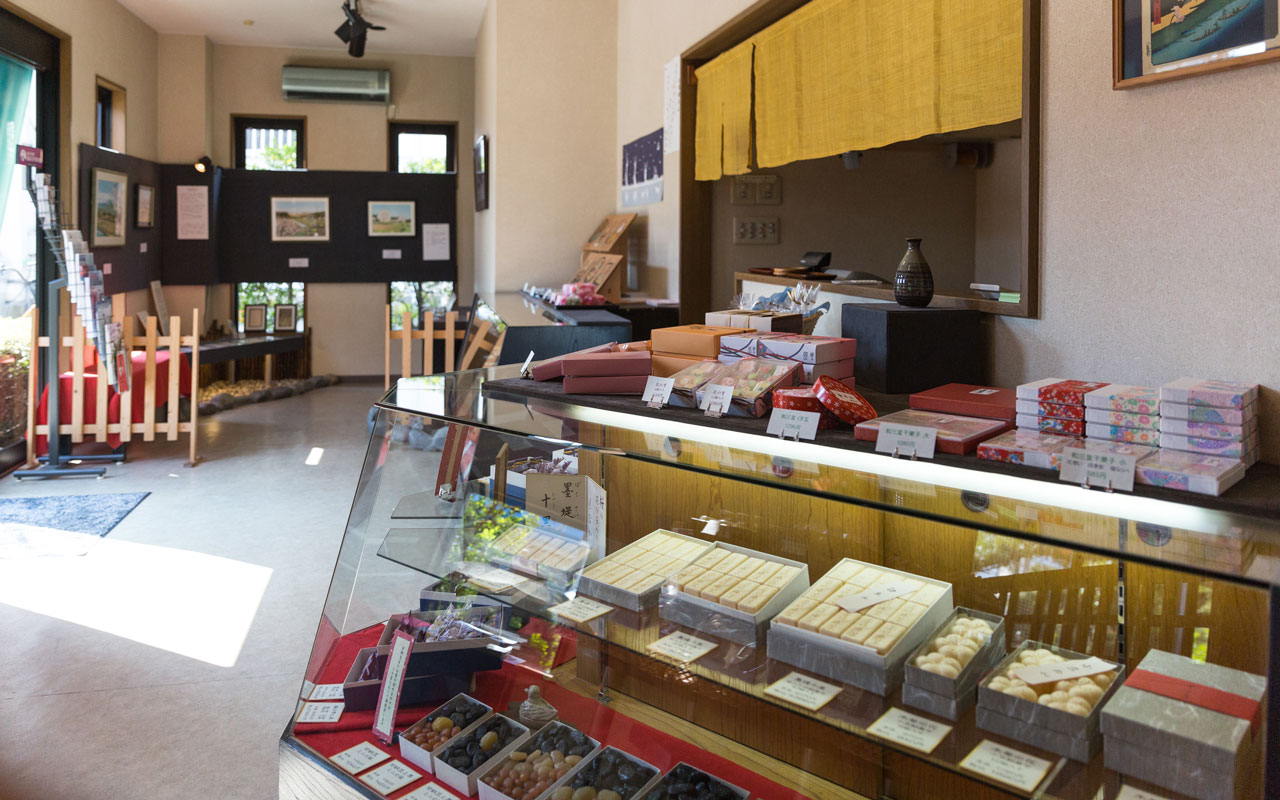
{"x":15,"y":89}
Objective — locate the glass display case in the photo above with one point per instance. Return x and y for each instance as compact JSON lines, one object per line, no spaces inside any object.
{"x":710,"y":613}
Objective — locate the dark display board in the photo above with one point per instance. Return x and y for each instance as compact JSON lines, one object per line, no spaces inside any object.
{"x":130,"y":267}
{"x":246,"y":251}
{"x":189,"y":261}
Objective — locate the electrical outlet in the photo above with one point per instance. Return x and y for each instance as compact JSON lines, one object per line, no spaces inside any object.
{"x":768,"y":190}
{"x":742,"y":192}
{"x":755,"y":230}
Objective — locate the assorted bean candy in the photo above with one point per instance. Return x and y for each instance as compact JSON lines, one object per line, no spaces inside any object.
{"x":468,"y":753}
{"x":686,"y":783}
{"x":611,"y":775}
{"x":532,"y":770}
{"x":444,"y":723}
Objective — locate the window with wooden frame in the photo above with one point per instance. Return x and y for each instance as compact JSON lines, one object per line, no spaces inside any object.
{"x":109,"y":115}
{"x":270,"y":142}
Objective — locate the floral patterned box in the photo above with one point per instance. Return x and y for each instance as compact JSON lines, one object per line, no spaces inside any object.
{"x":1246,"y":449}
{"x":1116,"y":433}
{"x":1199,"y":392}
{"x":1225,"y":416}
{"x":1190,"y":472}
{"x":1122,"y":419}
{"x":1055,"y":410}
{"x":1210,"y":430}
{"x":1130,"y":399}
{"x":1069,"y":427}
{"x":1057,"y":390}
{"x":1031,"y":448}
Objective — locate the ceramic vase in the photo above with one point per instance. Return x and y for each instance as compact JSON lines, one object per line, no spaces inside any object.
{"x":913,"y":282}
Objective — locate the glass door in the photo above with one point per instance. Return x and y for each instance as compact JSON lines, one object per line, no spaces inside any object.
{"x":19,"y":271}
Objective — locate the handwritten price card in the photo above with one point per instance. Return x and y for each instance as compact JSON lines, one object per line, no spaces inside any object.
{"x":359,"y":758}
{"x":1006,"y":765}
{"x":909,"y":730}
{"x":682,"y":647}
{"x":804,"y":691}
{"x":854,"y":603}
{"x":580,"y":609}
{"x":384,"y":715}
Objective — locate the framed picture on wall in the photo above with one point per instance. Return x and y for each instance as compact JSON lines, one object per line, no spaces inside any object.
{"x":286,"y":318}
{"x":110,"y":207}
{"x":481,"y":157}
{"x":1161,"y":40}
{"x":299,"y":219}
{"x":255,"y":318}
{"x":391,"y":218}
{"x":144,"y":215}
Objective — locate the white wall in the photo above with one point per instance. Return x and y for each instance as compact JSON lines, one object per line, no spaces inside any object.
{"x":486,"y":122}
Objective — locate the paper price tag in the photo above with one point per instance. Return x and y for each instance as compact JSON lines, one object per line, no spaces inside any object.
{"x":429,"y":792}
{"x":906,"y":440}
{"x":320,"y":712}
{"x":390,"y":777}
{"x":657,"y":391}
{"x":796,"y":424}
{"x":359,"y":758}
{"x":910,"y":730}
{"x":580,"y":609}
{"x":1104,"y":470}
{"x":984,"y":391}
{"x":1006,"y":765}
{"x":384,"y":715}
{"x":1130,"y":793}
{"x":326,"y":691}
{"x":682,"y":647}
{"x":804,"y":691}
{"x":524,"y":370}
{"x":716,"y":399}
{"x":1063,"y":670}
{"x":854,"y":603}
{"x":491,"y":578}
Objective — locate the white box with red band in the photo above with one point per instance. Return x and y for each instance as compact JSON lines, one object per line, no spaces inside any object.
{"x":808,"y":349}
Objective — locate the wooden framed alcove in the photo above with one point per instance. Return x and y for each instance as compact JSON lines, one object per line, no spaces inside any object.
{"x":696,"y":196}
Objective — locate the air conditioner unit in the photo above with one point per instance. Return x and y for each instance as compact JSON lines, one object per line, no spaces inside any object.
{"x":325,"y":83}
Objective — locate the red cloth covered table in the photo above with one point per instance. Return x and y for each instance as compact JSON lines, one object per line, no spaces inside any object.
{"x":90,"y":397}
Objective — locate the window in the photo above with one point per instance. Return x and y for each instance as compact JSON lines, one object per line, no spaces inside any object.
{"x":270,"y":142}
{"x":421,"y":147}
{"x":109,"y":118}
{"x":420,"y":298}
{"x":103,"y":122}
{"x":270,"y":294}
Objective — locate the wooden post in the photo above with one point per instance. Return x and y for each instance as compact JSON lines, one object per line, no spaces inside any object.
{"x":100,"y":407}
{"x":149,"y":388}
{"x":266,"y":368}
{"x":429,"y":345}
{"x":478,"y":345}
{"x":406,"y":344}
{"x":175,"y":369}
{"x":193,"y":459}
{"x":386,"y":349}
{"x":33,"y":387}
{"x":450,"y":342}
{"x":500,"y":473}
{"x":77,"y":380}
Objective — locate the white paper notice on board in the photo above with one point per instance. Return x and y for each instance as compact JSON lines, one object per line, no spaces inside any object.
{"x":390,"y":254}
{"x":435,"y":241}
{"x":193,"y":212}
{"x":671,"y":106}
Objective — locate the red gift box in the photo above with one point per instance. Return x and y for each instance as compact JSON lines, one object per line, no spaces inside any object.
{"x":605,"y":384}
{"x":1056,"y":390}
{"x":967,"y":400}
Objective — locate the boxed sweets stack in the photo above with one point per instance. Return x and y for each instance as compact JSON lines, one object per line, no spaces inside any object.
{"x":732,"y":592}
{"x":957,"y":435}
{"x":687,"y":382}
{"x":987,"y":402}
{"x":1211,"y":418}
{"x":858,"y":623}
{"x":1027,"y":448}
{"x":1190,"y":472}
{"x":804,"y":398}
{"x":1054,"y":405}
{"x":1122,"y":413}
{"x":632,"y":576}
{"x":685,"y":345}
{"x":1048,"y":697}
{"x":942,"y":674}
{"x":753,"y":381}
{"x":606,"y":372}
{"x":817,"y":356}
{"x":1191,"y":727}
{"x":737,"y":346}
{"x":770,"y":321}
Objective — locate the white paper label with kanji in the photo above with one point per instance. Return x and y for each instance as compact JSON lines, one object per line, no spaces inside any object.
{"x":580,"y":609}
{"x":384,"y":715}
{"x":716,"y":399}
{"x":910,"y":730}
{"x":682,"y":647}
{"x":320,"y":712}
{"x":390,"y":777}
{"x":984,"y":391}
{"x":786,"y":423}
{"x":359,"y":758}
{"x":657,"y":391}
{"x":429,"y":792}
{"x":906,"y":440}
{"x":854,"y":603}
{"x":804,"y":691}
{"x":1063,"y":670}
{"x":1105,"y":470}
{"x":1130,"y":793}
{"x":491,"y":578}
{"x":1006,"y":765}
{"x":326,"y":691}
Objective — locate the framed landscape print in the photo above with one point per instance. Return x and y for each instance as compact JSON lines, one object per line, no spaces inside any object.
{"x":286,"y":318}
{"x":391,"y":218}
{"x":110,"y":207}
{"x":1160,"y":40}
{"x":255,"y":318}
{"x":299,"y":219}
{"x":144,"y":215}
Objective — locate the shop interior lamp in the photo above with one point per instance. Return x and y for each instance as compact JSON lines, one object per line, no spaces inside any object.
{"x":204,"y":164}
{"x":354,"y":31}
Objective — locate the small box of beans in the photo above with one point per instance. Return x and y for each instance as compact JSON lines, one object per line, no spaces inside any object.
{"x":610,"y":774}
{"x":458,"y":715}
{"x":685,"y":782}
{"x":469,"y":755}
{"x":529,"y":771}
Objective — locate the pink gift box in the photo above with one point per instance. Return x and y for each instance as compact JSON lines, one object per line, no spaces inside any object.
{"x":608,"y":363}
{"x":553,"y":368}
{"x":605,"y":384}
{"x":808,"y":349}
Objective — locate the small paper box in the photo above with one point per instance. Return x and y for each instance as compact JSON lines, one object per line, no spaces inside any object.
{"x":691,"y":340}
{"x":639,"y":592}
{"x":684,"y":772}
{"x":601,"y":364}
{"x":840,"y":370}
{"x":1209,"y":430}
{"x":605,"y":384}
{"x":1038,"y":725}
{"x":956,"y":435}
{"x":721,"y":319}
{"x":808,"y":349}
{"x":967,"y":400}
{"x":414,"y":754}
{"x":1211,"y":447}
{"x":1057,"y":390}
{"x":489,"y":792}
{"x":1122,"y":419}
{"x":742,"y":319}
{"x":852,"y":663}
{"x":467,"y":782}
{"x":773,"y":322}
{"x":1190,"y":472}
{"x":1039,"y":408}
{"x":568,"y":779}
{"x":1200,"y":392}
{"x":1129,"y":399}
{"x":554,"y":367}
{"x":1070,"y":427}
{"x":727,"y":622}
{"x":1029,"y":448}
{"x":952,"y":697}
{"x":742,"y":345}
{"x":362,"y":695}
{"x":1199,"y":742}
{"x":1225,"y":416}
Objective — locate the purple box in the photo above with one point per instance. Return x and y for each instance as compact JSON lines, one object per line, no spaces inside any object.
{"x":1200,"y":392}
{"x":1225,"y":416}
{"x":1210,"y":430}
{"x":1212,"y":447}
{"x":1190,"y":472}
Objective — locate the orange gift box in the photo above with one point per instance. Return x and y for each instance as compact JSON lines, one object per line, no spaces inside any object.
{"x":691,"y":340}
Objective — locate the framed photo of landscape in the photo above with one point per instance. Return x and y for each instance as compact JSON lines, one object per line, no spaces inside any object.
{"x":144,"y":215}
{"x":110,"y":207}
{"x":299,"y":219}
{"x":286,"y":318}
{"x":1161,"y":40}
{"x":391,"y":218}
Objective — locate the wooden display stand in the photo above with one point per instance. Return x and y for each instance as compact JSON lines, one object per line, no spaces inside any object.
{"x":451,"y":333}
{"x":604,"y":257}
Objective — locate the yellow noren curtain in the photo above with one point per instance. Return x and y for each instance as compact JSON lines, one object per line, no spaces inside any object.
{"x":722,"y":139}
{"x":838,"y":75}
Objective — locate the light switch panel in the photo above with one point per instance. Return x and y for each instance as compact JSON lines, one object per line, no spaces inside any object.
{"x":755,"y":230}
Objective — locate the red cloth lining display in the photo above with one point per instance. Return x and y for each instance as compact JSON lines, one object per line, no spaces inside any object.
{"x":499,"y":689}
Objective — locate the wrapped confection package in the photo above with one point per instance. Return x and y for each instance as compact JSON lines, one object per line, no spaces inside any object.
{"x":1029,"y":448}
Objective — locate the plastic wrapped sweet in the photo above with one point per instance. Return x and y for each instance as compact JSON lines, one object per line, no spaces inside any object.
{"x":540,"y":762}
{"x":754,"y":378}
{"x":1076,"y":695}
{"x":694,"y":377}
{"x":952,"y":651}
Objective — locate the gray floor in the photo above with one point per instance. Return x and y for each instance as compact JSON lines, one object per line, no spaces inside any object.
{"x":165,"y":662}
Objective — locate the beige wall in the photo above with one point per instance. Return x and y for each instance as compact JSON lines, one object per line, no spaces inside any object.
{"x":552,"y":97}
{"x":184,"y":128}
{"x":486,"y":122}
{"x":997,"y":233}
{"x":861,"y":216}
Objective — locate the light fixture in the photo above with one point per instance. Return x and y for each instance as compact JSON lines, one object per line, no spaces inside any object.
{"x":204,"y":164}
{"x":355,"y":30}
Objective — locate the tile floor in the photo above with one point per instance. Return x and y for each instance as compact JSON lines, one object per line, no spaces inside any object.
{"x":165,"y":662}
